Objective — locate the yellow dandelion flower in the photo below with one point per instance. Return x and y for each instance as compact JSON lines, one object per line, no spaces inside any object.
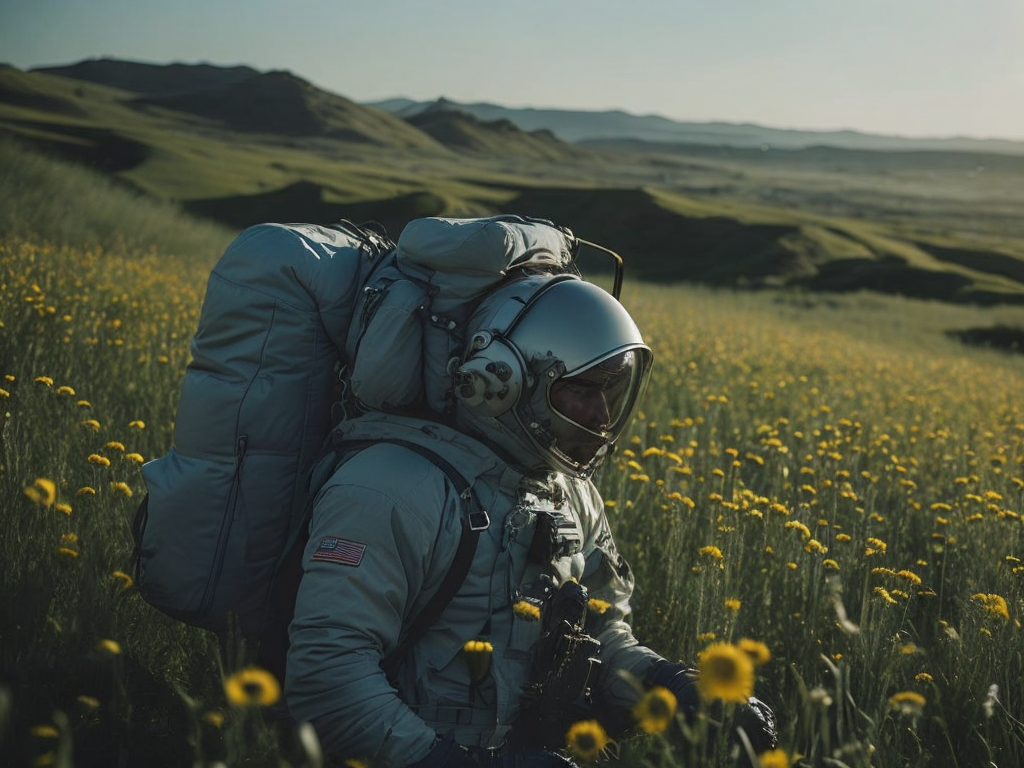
{"x":732,"y":604}
{"x":84,"y":404}
{"x":586,"y":739}
{"x":42,"y":491}
{"x":815,"y":546}
{"x":884,"y":594}
{"x":65,"y":390}
{"x":598,"y":605}
{"x":63,"y":508}
{"x":526,"y":610}
{"x":67,"y":552}
{"x":69,"y":538}
{"x":798,"y":526}
{"x":640,"y":477}
{"x":45,"y":732}
{"x":252,"y":686}
{"x":792,"y":566}
{"x":136,"y":457}
{"x":122,"y":487}
{"x":706,"y":637}
{"x":910,"y":576}
{"x":86,"y":490}
{"x":655,"y":710}
{"x":774,"y":758}
{"x":711,"y":551}
{"x":477,"y":654}
{"x":89,"y":702}
{"x":756,"y":650}
{"x":137,"y":424}
{"x":923,"y":677}
{"x":99,"y":461}
{"x":108,"y":647}
{"x":842,"y":537}
{"x":994,"y":604}
{"x":726,"y":673}
{"x":214,"y":717}
{"x":91,"y":424}
{"x":114,"y":445}
{"x":908,"y":703}
{"x":830,"y":565}
{"x":46,"y":381}
{"x":125,"y":580}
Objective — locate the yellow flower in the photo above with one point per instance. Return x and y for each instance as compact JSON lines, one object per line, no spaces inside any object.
{"x":842,"y":537}
{"x":114,"y":445}
{"x":252,"y":685}
{"x":354,"y":763}
{"x":67,"y":552}
{"x":122,"y":488}
{"x":477,"y":654}
{"x":84,"y":404}
{"x":526,"y":610}
{"x":655,"y":710}
{"x":732,"y":604}
{"x":830,"y":564}
{"x":755,"y":649}
{"x":910,"y":576}
{"x":137,"y":424}
{"x":585,"y":739}
{"x":91,"y":424}
{"x":46,"y":381}
{"x":85,"y":490}
{"x":136,"y":457}
{"x":63,"y":508}
{"x":65,"y":390}
{"x":107,"y":647}
{"x":598,"y":606}
{"x":4,"y":393}
{"x":710,"y":551}
{"x":42,"y":491}
{"x":923,"y":677}
{"x":797,"y":525}
{"x":124,"y":578}
{"x":45,"y":732}
{"x":726,"y":673}
{"x":994,"y":604}
{"x":774,"y":758}
{"x":214,"y":717}
{"x":99,"y":461}
{"x":883,"y":593}
{"x":907,"y":703}
{"x":89,"y":702}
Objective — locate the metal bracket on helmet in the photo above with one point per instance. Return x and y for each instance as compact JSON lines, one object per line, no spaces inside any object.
{"x":490,"y":380}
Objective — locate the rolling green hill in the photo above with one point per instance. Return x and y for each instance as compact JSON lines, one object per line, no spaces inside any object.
{"x":239,"y":146}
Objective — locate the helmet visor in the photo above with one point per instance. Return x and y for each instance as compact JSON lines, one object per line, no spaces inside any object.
{"x":592,"y":406}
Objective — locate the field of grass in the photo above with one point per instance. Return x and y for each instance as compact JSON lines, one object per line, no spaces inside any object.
{"x":832,"y":477}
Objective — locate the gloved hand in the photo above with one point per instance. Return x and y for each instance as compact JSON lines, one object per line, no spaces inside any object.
{"x":758,"y":722}
{"x":680,"y":681}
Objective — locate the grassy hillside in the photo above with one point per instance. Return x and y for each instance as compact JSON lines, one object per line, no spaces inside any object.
{"x":240,"y":148}
{"x":834,"y":477}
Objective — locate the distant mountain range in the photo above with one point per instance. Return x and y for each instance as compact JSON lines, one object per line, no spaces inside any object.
{"x":722,"y":204}
{"x":578,"y":126}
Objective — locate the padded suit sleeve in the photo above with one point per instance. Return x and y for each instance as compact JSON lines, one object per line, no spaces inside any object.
{"x":371,"y":554}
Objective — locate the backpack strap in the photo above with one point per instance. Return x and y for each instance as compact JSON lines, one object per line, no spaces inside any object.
{"x":474,"y":521}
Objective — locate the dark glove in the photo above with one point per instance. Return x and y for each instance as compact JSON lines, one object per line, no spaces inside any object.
{"x":678,"y":679}
{"x":758,"y":722}
{"x":447,"y":753}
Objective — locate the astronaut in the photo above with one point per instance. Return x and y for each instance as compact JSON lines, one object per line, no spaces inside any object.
{"x":550,"y":376}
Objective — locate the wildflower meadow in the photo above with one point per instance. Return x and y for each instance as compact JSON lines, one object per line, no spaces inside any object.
{"x":821,"y":502}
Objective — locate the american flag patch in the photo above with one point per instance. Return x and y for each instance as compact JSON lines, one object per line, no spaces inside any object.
{"x":333,"y":549}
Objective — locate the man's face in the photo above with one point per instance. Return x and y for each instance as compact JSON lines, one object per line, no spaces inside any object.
{"x":593,"y":403}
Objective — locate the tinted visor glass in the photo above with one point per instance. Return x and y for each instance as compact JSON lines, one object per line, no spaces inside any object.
{"x":600,"y":398}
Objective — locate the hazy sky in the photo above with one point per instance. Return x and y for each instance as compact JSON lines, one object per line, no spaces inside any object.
{"x":910,"y":67}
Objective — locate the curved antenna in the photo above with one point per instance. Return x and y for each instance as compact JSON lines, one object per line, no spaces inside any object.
{"x":619,"y":265}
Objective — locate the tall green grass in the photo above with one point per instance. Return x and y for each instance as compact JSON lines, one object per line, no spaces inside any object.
{"x":833,"y":478}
